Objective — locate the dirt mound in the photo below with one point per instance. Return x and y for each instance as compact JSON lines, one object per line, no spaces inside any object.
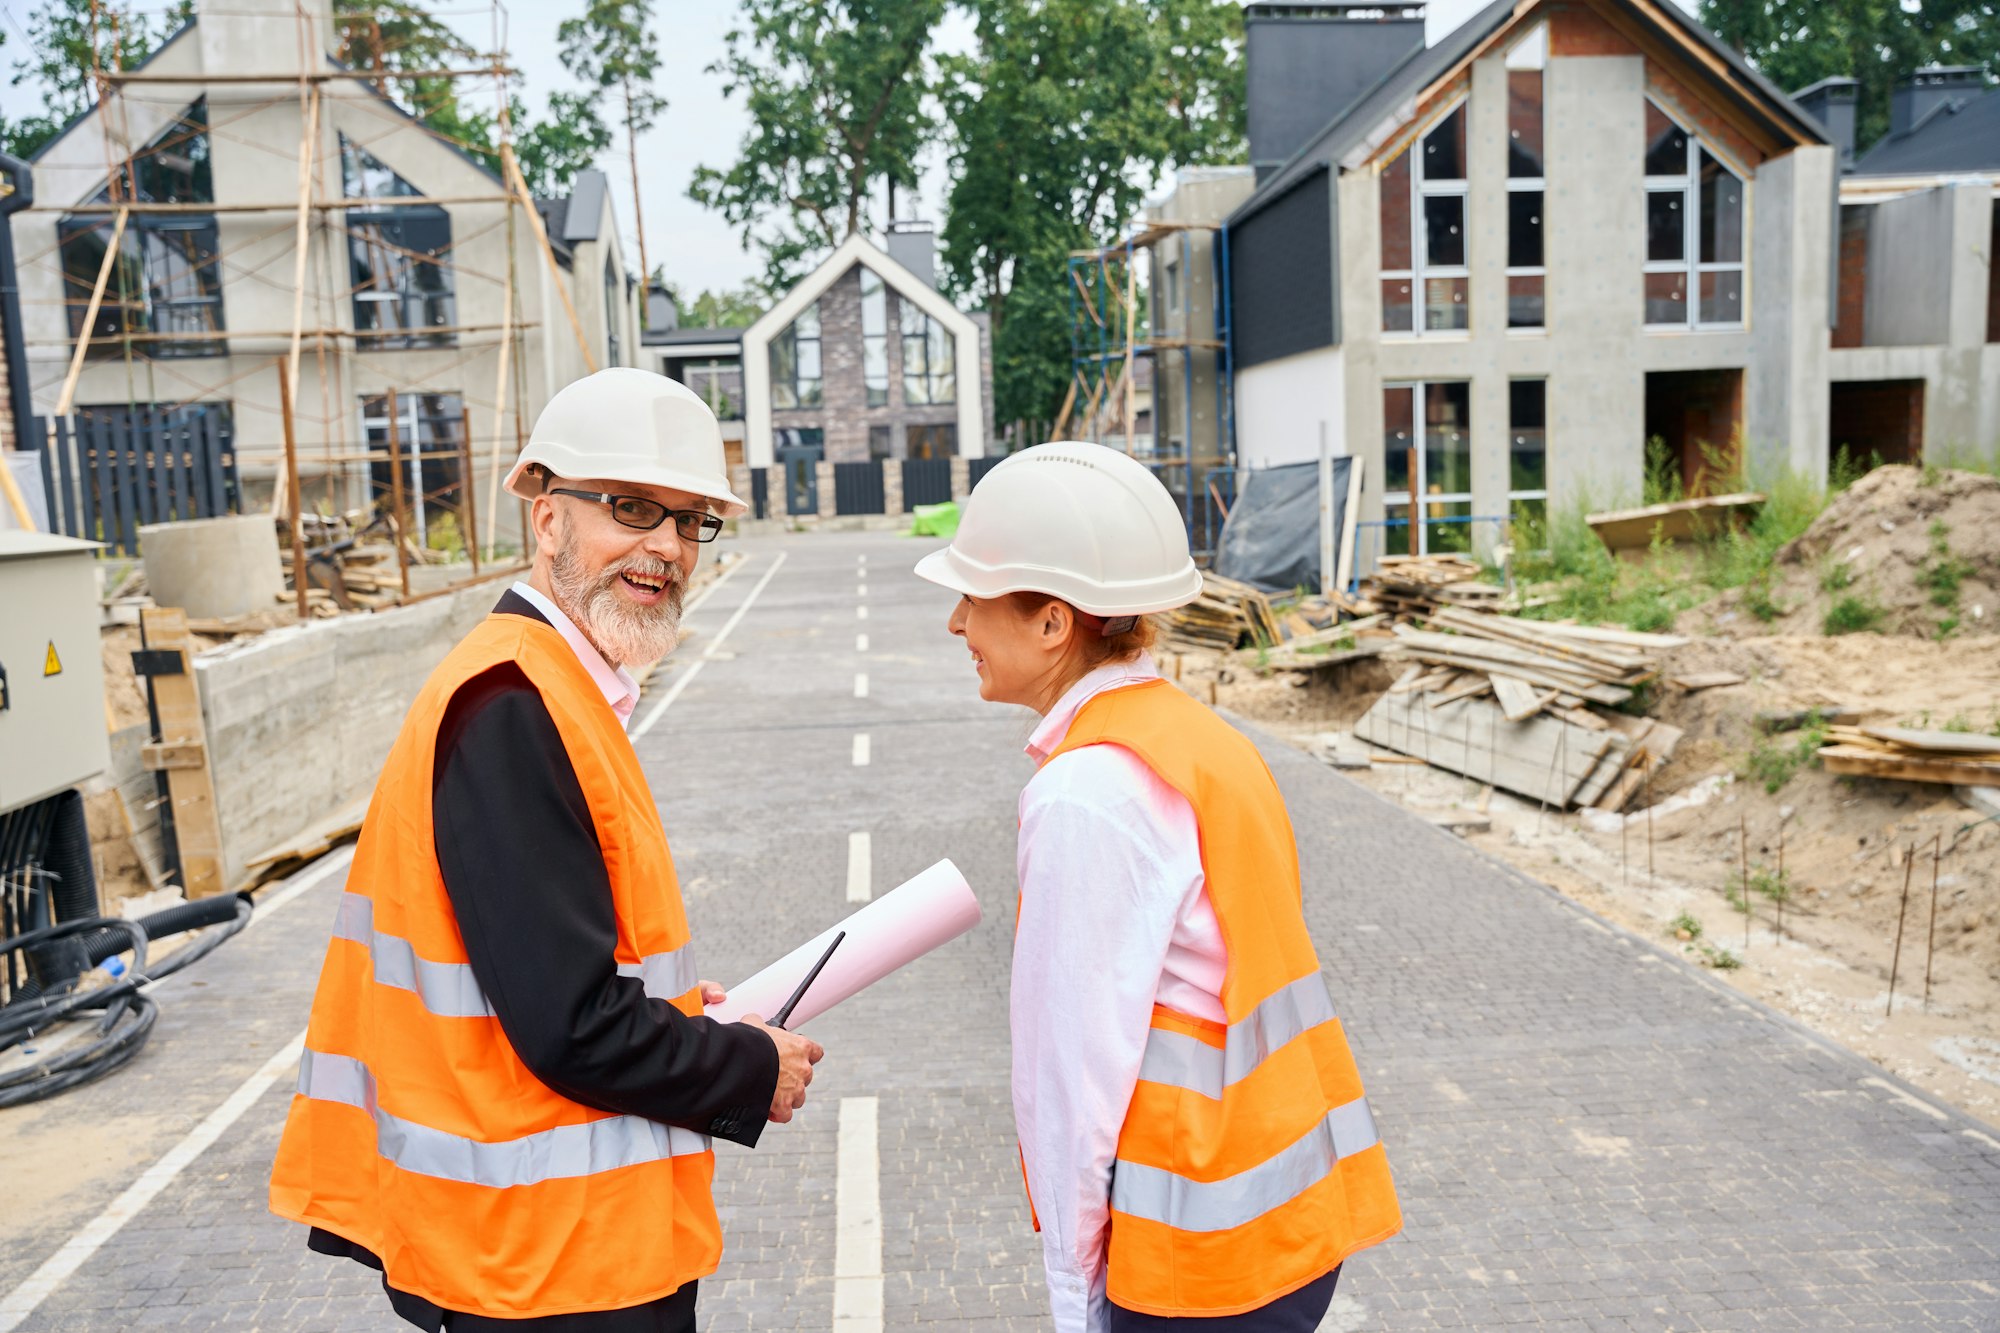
{"x":1905,"y":550}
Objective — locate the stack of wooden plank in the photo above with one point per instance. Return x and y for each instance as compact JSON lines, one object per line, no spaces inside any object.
{"x":1567,"y":758}
{"x":1343,"y":642}
{"x":1913,"y":756}
{"x":1535,"y":666}
{"x":1420,"y":584}
{"x":1229,"y":614}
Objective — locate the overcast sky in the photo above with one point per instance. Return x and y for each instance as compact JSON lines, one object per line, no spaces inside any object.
{"x":700,"y":126}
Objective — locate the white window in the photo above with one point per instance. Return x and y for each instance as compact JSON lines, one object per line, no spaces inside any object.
{"x":1423,"y":216}
{"x":1695,"y":208}
{"x":1526,"y":196}
{"x":874,"y":338}
{"x":1427,"y":452}
{"x":1527,"y":451}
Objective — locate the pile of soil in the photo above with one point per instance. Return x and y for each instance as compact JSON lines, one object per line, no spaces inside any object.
{"x":1880,"y":538}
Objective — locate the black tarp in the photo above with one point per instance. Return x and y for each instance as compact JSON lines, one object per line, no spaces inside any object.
{"x":1271,"y":538}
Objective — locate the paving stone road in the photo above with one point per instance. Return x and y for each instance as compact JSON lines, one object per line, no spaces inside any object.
{"x":1587,"y":1134}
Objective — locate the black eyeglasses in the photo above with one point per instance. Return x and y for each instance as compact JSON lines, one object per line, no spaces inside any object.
{"x":636,"y":511}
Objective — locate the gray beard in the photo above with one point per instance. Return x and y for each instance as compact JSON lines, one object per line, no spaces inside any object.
{"x":626,"y":634}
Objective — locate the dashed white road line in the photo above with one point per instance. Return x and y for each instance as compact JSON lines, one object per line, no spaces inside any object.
{"x":694,"y":668}
{"x":861,"y":684}
{"x":861,"y":749}
{"x":861,"y":643}
{"x":861,"y":613}
{"x":857,"y":1243}
{"x":860,"y":590}
{"x":22,"y":1301}
{"x":860,"y":867}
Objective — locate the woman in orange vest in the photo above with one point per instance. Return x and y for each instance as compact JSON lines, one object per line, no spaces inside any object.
{"x":1197,"y":1148}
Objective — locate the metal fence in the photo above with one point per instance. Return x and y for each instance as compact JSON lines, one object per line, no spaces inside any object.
{"x":926,"y":481}
{"x":108,"y":471}
{"x":979,"y":467}
{"x":858,"y":488}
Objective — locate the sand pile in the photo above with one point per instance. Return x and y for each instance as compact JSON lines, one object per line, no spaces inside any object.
{"x":1916,"y":549}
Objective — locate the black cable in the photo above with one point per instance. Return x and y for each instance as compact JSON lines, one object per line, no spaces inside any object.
{"x":127,"y":1013}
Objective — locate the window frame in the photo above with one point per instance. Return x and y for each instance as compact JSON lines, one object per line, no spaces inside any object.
{"x":413,"y":412}
{"x":1514,"y":497}
{"x":1418,"y":528}
{"x":1532,"y":47}
{"x":874,"y":346}
{"x":788,"y":340}
{"x":1421,"y":270}
{"x":939,"y":375}
{"x":1690,"y":266}
{"x":367,"y":232}
{"x":613,"y":307}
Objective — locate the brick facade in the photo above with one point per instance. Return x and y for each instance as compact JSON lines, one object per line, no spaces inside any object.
{"x":843,"y":412}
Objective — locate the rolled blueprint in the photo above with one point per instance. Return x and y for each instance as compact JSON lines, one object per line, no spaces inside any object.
{"x":900,"y":927}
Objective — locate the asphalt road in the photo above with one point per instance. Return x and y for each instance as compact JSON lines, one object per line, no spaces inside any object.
{"x":1586,"y":1132}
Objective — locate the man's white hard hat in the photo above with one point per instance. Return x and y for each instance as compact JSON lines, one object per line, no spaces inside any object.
{"x":1080,"y":522}
{"x":630,"y":425}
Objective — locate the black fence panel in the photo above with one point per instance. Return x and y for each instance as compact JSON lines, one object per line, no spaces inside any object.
{"x":858,"y":489}
{"x":926,"y":481}
{"x":108,"y":471}
{"x":760,"y":492}
{"x":979,"y":467}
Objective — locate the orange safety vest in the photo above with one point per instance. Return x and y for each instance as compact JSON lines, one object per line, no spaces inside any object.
{"x":417,"y":1131}
{"x":1248,"y":1164}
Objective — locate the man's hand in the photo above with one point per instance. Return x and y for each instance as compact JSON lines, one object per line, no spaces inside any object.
{"x":796,"y":1057}
{"x":712,"y":992}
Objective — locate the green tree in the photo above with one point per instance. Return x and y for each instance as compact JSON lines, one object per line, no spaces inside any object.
{"x":611,"y":47}
{"x":727,"y":308}
{"x":1062,"y":120}
{"x":837,"y":93}
{"x":1798,"y":42}
{"x":62,"y":35}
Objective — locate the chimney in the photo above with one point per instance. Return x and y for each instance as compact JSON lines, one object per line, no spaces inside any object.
{"x":1305,"y":63}
{"x":1831,"y":103}
{"x":1918,"y":97}
{"x":662,"y":316}
{"x":914,"y":246}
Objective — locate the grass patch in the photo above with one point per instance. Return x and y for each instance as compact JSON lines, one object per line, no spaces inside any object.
{"x":1852,"y":615}
{"x":1685,"y":927}
{"x":1836,"y":577}
{"x":1720,"y":959}
{"x":1775,"y":762}
{"x":1942,"y":571}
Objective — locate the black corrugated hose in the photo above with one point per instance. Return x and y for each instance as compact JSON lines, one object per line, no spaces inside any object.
{"x":120,"y":1012}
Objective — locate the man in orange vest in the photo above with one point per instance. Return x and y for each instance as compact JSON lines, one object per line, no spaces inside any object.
{"x":508,"y":1086}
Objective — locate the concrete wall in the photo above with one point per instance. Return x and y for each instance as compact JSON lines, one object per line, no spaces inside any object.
{"x":1200,"y":195}
{"x":1909,"y":290}
{"x":1283,"y":404}
{"x":299,"y":720}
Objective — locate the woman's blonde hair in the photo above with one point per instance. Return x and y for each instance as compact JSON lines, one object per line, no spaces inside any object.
{"x":1090,"y":646}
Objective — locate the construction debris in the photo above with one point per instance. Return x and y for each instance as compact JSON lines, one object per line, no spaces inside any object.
{"x":1229,"y":615}
{"x":1631,"y":532}
{"x":1417,"y":585}
{"x":1953,"y":757}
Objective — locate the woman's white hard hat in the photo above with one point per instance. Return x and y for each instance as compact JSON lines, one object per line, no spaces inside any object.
{"x":634,"y":426}
{"x":1077,"y":521}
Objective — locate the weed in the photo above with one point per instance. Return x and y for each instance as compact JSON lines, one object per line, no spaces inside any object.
{"x":1720,"y":959}
{"x":1773,"y":884}
{"x":1852,"y":615}
{"x":1932,"y":475}
{"x":1685,"y":927}
{"x":1662,"y":484}
{"x":1757,"y":600}
{"x":1774,"y":762}
{"x":1942,"y":572}
{"x":1947,"y":627}
{"x":1837,"y":576}
{"x":1959,"y":722}
{"x":1847,"y":469}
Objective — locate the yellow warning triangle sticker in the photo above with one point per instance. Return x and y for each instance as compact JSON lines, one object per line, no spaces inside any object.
{"x":52,"y":665}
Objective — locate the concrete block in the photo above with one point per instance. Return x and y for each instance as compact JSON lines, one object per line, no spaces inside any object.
{"x":212,"y":567}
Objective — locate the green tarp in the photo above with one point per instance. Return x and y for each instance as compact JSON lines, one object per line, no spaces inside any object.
{"x":934,"y":520}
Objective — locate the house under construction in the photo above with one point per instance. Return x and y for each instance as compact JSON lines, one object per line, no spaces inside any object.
{"x":243,"y":221}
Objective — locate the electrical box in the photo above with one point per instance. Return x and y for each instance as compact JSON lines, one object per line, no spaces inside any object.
{"x":52,"y":728}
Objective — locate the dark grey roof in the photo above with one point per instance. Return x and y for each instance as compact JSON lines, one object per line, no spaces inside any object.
{"x":555,"y":212}
{"x":1420,"y":68}
{"x":586,"y":206}
{"x":684,"y":337}
{"x":1964,"y":136}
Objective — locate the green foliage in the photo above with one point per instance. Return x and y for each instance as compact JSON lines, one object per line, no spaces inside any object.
{"x":1720,"y":959}
{"x":1942,"y":571}
{"x":61,"y":37}
{"x":1662,"y":483}
{"x":1836,"y":576}
{"x":442,"y":534}
{"x":1959,"y":722}
{"x":837,"y":92}
{"x":724,"y":309}
{"x":1852,"y":614}
{"x":1686,"y":926}
{"x":1774,"y":762}
{"x":1847,"y":469}
{"x":1059,"y":122}
{"x":1757,"y":599}
{"x":1797,"y":42}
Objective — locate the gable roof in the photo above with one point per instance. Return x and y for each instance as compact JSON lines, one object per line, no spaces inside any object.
{"x":858,"y":249}
{"x":1392,"y":102}
{"x":583,"y":216}
{"x":1961,"y":136}
{"x":92,"y":106}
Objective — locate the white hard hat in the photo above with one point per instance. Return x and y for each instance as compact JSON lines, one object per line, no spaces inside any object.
{"x":1076,"y":521}
{"x":630,"y":425}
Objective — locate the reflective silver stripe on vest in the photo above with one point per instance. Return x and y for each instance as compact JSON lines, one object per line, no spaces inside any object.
{"x":447,"y":989}
{"x":1196,"y":1205}
{"x":1182,"y":1061}
{"x":668,"y":976}
{"x":551,"y":1154}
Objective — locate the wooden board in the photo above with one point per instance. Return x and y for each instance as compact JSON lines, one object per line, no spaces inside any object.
{"x":1543,"y":759}
{"x":1943,"y":742}
{"x":1518,"y":699}
{"x":1708,"y":680}
{"x":1596,"y":692}
{"x":190,"y":788}
{"x":1634,"y":529}
{"x":1857,"y":762}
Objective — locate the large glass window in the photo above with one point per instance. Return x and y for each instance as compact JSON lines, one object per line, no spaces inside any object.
{"x":430,"y":443}
{"x":613,"y":308}
{"x":1423,"y":223}
{"x":795,"y":364}
{"x":1427,"y":452}
{"x":874,"y":337}
{"x":1695,"y":208}
{"x":399,"y":260}
{"x":1526,"y":274}
{"x":720,"y":384}
{"x":929,"y":352}
{"x":1527,"y":450}
{"x":164,"y":291}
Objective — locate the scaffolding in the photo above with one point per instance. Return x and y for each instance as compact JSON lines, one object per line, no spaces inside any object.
{"x":324,"y":283}
{"x":1111,"y":331}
